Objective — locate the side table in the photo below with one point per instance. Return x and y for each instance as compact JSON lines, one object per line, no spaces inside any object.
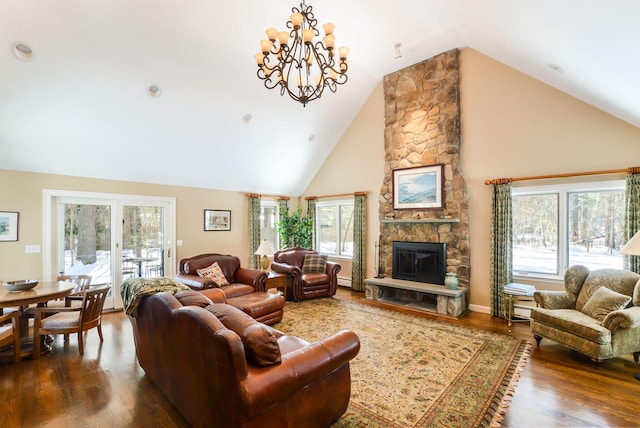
{"x":276,"y":280}
{"x":509,"y":301}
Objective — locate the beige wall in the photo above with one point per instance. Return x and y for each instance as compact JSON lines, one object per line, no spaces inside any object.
{"x":512,"y":126}
{"x":357,"y":164}
{"x":22,"y":192}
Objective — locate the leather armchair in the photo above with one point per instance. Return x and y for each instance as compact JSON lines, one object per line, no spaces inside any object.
{"x":300,"y":285}
{"x":202,"y":366}
{"x":241,"y":280}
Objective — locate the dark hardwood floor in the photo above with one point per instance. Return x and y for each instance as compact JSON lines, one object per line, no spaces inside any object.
{"x":107,"y":388}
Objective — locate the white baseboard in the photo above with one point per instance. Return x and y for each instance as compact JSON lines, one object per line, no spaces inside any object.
{"x":481,"y":309}
{"x":345,"y":282}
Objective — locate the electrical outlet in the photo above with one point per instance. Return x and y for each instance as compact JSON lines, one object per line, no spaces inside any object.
{"x":30,"y":249}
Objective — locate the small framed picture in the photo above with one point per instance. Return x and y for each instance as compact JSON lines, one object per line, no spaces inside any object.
{"x":418,"y":188}
{"x":217,"y":220}
{"x":8,"y":226}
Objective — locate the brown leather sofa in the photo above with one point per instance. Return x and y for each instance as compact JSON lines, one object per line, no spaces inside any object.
{"x":300,"y":285}
{"x":245,"y":290}
{"x":210,"y":375}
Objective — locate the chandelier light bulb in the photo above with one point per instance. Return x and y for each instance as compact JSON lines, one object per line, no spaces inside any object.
{"x":298,"y":54}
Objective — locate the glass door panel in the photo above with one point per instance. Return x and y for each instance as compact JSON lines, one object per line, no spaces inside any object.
{"x":143,"y":238}
{"x":87,"y":246}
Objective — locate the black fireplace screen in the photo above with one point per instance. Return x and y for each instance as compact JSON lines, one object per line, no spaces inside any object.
{"x":420,"y":261}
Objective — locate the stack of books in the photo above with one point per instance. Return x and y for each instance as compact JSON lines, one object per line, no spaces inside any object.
{"x":519,"y":289}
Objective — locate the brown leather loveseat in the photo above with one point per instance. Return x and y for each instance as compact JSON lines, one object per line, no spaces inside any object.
{"x":244,"y":291}
{"x":302,"y":285}
{"x":221,"y":368}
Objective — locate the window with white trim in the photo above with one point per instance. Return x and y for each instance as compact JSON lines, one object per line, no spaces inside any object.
{"x":334,"y":228}
{"x":558,"y":226}
{"x":269,"y":218}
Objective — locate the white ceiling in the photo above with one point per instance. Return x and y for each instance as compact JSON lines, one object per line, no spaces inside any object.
{"x":80,"y":107}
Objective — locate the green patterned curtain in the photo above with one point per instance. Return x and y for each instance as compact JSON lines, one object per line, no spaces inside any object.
{"x":254,"y":229}
{"x":358,"y":269}
{"x":283,"y":207}
{"x":632,"y":215}
{"x":311,"y":213}
{"x":501,"y":242}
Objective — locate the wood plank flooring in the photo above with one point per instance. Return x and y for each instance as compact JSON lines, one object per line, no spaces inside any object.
{"x":107,"y":387}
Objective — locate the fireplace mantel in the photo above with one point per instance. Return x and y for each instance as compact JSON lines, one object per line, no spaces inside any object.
{"x":421,"y":220}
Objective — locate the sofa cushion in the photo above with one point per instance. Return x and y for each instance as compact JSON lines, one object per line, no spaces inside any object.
{"x":574,"y":322}
{"x":193,"y":298}
{"x":314,"y":263}
{"x":260,"y":344}
{"x":604,"y":301}
{"x":215,"y":273}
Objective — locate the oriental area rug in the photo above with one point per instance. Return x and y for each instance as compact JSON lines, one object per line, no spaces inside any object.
{"x":415,"y":372}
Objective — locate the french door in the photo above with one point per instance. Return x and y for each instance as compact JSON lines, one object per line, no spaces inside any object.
{"x":110,"y":237}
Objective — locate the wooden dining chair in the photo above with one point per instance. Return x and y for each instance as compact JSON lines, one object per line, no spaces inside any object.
{"x":69,"y":320}
{"x":10,"y":333}
{"x":82,"y":281}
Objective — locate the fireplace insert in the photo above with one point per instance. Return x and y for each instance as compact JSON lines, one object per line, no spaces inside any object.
{"x":420,"y":261}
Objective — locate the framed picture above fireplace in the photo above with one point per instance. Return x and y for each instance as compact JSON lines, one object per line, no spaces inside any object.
{"x":418,"y":188}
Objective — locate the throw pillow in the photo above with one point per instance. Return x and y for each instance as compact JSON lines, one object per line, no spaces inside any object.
{"x":260,"y":345}
{"x":192,"y":298}
{"x":215,"y":273}
{"x":604,"y":301}
{"x":314,"y":263}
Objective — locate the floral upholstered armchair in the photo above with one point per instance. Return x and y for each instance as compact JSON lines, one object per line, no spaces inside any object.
{"x":598,"y":314}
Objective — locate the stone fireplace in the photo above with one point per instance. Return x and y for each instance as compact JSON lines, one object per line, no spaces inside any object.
{"x":422,"y":127}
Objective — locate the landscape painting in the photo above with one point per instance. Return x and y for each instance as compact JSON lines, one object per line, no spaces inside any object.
{"x":8,"y":226}
{"x":418,"y":188}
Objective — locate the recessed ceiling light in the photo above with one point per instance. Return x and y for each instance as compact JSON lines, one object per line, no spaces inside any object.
{"x":154,"y":91}
{"x":22,"y":51}
{"x":247,"y":119}
{"x":556,"y":68}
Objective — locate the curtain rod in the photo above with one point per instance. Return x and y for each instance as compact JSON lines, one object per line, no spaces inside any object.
{"x":632,"y":170}
{"x":363,"y":193}
{"x":258,"y":195}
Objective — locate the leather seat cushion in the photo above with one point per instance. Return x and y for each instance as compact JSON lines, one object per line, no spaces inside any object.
{"x":574,"y":322}
{"x":260,"y":344}
{"x":258,"y":304}
{"x":312,"y":279}
{"x":192,"y":298}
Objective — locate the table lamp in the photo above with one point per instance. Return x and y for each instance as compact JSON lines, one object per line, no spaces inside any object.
{"x":264,"y":250}
{"x":632,"y":248}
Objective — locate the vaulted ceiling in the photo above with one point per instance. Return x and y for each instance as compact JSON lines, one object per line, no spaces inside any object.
{"x":80,"y":105}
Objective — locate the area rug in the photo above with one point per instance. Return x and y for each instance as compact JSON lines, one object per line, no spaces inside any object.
{"x":415,"y":372}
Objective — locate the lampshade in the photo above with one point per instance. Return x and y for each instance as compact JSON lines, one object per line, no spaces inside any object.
{"x":264,"y":249}
{"x":632,"y":248}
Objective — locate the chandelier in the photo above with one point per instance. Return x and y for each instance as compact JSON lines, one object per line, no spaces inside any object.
{"x":296,"y":64}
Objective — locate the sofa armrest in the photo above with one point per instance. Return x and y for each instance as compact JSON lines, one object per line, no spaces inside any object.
{"x":196,"y":282}
{"x":300,"y":368}
{"x":253,"y":277}
{"x":553,"y":299}
{"x":216,"y":295}
{"x":622,"y":319}
{"x":294,"y":271}
{"x":333,"y":268}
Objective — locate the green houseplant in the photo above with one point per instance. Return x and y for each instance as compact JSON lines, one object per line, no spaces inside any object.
{"x":295,"y":230}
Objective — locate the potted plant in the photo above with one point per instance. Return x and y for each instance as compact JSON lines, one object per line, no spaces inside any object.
{"x":295,"y":230}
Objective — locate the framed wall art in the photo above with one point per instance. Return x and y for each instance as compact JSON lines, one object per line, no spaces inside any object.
{"x":418,"y":188}
{"x":217,"y":220}
{"x":8,"y":226}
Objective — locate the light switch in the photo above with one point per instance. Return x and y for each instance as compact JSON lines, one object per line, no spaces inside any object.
{"x":30,"y":249}
{"x":179,"y":243}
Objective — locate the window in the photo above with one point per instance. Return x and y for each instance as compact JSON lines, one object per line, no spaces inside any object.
{"x":555,"y":227}
{"x":269,"y":217}
{"x":334,"y":223}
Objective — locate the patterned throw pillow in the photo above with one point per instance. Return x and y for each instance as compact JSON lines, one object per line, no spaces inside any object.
{"x":215,"y":273}
{"x":604,"y":301}
{"x":314,"y":263}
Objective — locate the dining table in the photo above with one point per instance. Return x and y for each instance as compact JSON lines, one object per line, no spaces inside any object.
{"x":40,"y":294}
